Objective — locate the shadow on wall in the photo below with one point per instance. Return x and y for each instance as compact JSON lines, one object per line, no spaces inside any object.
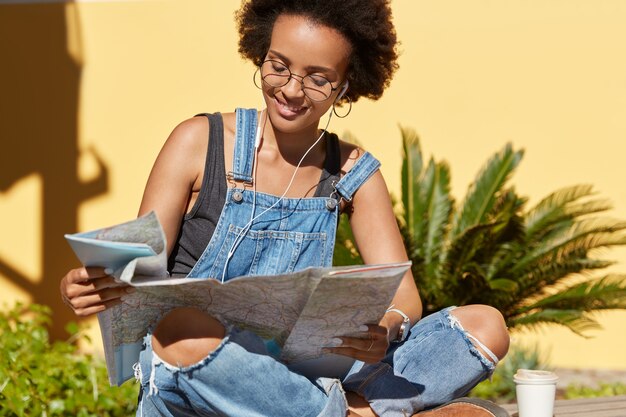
{"x":39,"y":102}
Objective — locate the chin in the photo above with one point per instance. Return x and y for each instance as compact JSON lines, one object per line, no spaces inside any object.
{"x":289,"y":121}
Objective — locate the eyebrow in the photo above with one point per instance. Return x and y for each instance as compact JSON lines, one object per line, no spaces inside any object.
{"x":308,"y":68}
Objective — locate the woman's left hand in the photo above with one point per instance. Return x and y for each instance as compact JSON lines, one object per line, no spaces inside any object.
{"x":371,"y":347}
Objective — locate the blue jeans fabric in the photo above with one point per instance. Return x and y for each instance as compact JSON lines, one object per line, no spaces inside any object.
{"x":436,"y":363}
{"x":241,"y":378}
{"x":290,"y":235}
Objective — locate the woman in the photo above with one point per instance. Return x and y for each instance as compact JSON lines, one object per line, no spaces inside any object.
{"x":263,"y":199}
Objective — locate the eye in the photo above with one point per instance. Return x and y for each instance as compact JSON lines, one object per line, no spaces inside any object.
{"x":318,"y":80}
{"x":278,"y":67}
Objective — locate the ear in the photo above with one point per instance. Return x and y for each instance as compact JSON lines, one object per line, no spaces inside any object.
{"x":343,"y":90}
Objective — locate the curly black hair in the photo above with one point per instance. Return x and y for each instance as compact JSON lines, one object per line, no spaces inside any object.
{"x":366,"y":24}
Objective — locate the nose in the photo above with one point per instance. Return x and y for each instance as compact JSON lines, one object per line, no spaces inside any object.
{"x":293,"y":88}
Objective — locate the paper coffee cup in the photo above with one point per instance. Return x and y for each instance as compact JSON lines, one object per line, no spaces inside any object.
{"x":535,"y":392}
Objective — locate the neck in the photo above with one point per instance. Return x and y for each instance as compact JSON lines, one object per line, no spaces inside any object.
{"x":293,"y":146}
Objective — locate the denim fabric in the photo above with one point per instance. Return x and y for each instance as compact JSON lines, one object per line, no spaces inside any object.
{"x":436,"y":364}
{"x":240,"y":378}
{"x":290,"y":236}
{"x":243,"y":156}
{"x":295,"y":234}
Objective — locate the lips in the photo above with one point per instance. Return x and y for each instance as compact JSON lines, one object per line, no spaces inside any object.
{"x":288,"y":111}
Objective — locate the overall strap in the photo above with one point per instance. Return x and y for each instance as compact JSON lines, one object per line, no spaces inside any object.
{"x":332,"y":167}
{"x":243,"y":158}
{"x":360,"y":172}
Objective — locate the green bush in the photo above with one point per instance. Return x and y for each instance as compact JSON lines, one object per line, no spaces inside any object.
{"x":40,"y":378}
{"x":604,"y":390}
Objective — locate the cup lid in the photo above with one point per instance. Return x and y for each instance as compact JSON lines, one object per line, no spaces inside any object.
{"x":535,"y":376}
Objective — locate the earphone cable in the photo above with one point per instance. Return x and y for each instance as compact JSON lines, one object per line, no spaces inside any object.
{"x":241,"y":235}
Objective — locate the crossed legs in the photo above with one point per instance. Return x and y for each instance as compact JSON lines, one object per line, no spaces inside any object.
{"x":186,"y":336}
{"x":484,"y":327}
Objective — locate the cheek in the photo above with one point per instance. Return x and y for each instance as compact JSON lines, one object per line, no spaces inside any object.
{"x":269,"y":92}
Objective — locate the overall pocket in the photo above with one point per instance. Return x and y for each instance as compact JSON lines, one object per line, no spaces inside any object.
{"x":269,"y":252}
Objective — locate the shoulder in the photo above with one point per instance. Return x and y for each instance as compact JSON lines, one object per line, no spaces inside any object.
{"x":372,"y":188}
{"x":350,"y":153}
{"x":190,"y":134}
{"x":230,"y":124}
{"x":184,"y":151}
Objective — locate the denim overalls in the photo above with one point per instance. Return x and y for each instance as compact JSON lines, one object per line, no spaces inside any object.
{"x":295,"y":234}
{"x":241,"y":378}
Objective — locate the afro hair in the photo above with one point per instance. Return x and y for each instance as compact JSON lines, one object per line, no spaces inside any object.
{"x":366,"y":24}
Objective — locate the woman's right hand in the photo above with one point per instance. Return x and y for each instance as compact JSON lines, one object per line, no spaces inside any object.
{"x":90,"y":290}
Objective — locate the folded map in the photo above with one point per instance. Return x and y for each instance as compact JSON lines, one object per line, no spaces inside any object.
{"x":299,"y":312}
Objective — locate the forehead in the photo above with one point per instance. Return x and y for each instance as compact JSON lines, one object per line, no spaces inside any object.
{"x":306,"y":43}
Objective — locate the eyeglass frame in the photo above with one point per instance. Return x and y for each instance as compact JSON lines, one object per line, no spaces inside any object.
{"x":291,"y":74}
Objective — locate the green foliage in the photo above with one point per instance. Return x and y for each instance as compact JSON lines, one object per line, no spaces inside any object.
{"x":533,"y":264}
{"x":346,"y":252}
{"x":603,"y":390}
{"x":40,"y":378}
{"x":501,"y":387}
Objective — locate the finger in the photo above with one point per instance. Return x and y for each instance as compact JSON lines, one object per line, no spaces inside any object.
{"x":79,"y":289}
{"x":84,"y":274}
{"x":367,"y":343}
{"x":375,"y":347}
{"x":98,"y":284}
{"x":95,"y":298}
{"x":352,"y":342}
{"x":375,"y":331}
{"x":97,"y":308}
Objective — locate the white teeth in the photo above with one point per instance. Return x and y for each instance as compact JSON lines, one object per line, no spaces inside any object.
{"x":292,"y":109}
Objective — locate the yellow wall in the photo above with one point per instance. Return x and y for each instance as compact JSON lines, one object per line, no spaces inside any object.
{"x":89,"y":91}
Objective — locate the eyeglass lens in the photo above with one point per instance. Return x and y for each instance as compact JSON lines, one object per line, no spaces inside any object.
{"x":277,"y":74}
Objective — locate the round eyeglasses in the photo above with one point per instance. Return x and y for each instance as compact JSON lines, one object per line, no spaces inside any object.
{"x":276,"y":74}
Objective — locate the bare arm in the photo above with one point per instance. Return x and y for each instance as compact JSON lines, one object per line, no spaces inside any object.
{"x":176,"y":174}
{"x":379,"y":241}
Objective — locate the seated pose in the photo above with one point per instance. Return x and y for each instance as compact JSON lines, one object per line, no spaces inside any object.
{"x":260,"y":192}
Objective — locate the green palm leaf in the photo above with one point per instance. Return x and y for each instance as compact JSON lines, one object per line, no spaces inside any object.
{"x":604,"y":293}
{"x":412,"y":165}
{"x":346,"y":252}
{"x":458,"y":258}
{"x":582,"y":236}
{"x":427,"y":205}
{"x":559,"y":207}
{"x":482,"y":194}
{"x":549,"y":276}
{"x":438,"y":218}
{"x":575,"y":320}
{"x":533,"y":265}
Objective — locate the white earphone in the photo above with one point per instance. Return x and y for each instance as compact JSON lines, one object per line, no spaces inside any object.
{"x":257,"y":138}
{"x":343,"y":90}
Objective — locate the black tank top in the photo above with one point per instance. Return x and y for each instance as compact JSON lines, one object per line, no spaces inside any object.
{"x":198,"y":225}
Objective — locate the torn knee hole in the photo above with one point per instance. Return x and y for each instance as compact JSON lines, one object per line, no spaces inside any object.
{"x":480,"y":346}
{"x":186,"y":335}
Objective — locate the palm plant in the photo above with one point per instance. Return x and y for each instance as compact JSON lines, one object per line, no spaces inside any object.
{"x":534,"y":265}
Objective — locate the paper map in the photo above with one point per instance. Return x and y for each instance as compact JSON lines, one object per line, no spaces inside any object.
{"x":301,"y":311}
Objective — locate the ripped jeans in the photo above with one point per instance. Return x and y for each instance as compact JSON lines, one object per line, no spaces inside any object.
{"x":437,"y":363}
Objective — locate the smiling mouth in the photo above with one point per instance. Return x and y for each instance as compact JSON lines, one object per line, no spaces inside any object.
{"x":289,"y":110}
